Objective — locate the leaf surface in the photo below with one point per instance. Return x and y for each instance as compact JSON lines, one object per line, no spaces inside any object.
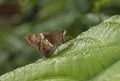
{"x":93,"y":56}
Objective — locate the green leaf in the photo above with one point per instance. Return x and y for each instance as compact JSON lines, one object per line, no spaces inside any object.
{"x":93,"y":56}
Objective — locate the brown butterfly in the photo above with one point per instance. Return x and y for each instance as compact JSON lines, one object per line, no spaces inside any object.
{"x":46,"y":42}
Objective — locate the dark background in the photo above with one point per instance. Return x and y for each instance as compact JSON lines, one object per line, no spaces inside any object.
{"x":19,"y":18}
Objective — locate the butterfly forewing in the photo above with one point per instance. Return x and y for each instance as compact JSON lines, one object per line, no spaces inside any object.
{"x":33,"y":40}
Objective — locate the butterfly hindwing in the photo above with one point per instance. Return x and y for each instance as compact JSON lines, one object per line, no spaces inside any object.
{"x":46,"y":48}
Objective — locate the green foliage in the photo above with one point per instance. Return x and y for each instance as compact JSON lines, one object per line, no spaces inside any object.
{"x":76,"y":16}
{"x":100,"y":3}
{"x":92,"y":56}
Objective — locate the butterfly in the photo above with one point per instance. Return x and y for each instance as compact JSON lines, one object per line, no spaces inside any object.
{"x":46,"y":42}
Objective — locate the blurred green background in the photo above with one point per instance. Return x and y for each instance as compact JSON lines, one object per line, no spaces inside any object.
{"x":19,"y":18}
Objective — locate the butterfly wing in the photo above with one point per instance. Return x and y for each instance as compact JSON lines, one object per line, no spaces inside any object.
{"x":33,"y":40}
{"x":56,"y":38}
{"x":46,"y":42}
{"x":51,"y":42}
{"x":46,"y":48}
